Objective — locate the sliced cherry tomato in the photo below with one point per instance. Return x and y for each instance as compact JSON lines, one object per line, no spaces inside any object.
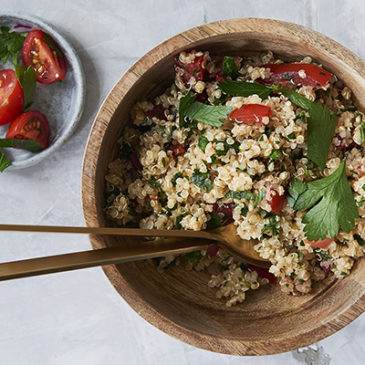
{"x":194,"y":68}
{"x":320,"y":243}
{"x":262,"y":272}
{"x":11,"y":96}
{"x":283,"y":73}
{"x":177,"y":150}
{"x":154,"y":197}
{"x":250,"y":114}
{"x":277,"y":202}
{"x":212,"y":251}
{"x":30,"y":125}
{"x":42,"y":53}
{"x":225,"y":211}
{"x":158,"y":111}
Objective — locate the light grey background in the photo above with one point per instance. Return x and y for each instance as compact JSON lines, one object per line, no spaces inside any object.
{"x":77,"y":317}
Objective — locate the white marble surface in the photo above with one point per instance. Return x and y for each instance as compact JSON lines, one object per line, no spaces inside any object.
{"x":77,"y":317}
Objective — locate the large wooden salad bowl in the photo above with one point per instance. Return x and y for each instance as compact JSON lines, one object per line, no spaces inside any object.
{"x":179,"y":302}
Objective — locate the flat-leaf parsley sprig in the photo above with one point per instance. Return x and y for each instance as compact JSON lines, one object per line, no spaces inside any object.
{"x":331,"y":203}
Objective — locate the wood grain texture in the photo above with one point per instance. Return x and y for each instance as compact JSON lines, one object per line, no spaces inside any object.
{"x":181,"y":304}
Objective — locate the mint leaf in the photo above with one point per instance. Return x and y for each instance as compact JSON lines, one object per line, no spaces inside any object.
{"x":243,"y":88}
{"x":10,"y":45}
{"x":202,"y":180}
{"x":24,"y":144}
{"x":331,"y":201}
{"x":295,"y":98}
{"x":27,"y":78}
{"x":184,"y":104}
{"x":215,"y":221}
{"x":4,"y":162}
{"x":202,"y":142}
{"x":52,"y":45}
{"x":229,"y":67}
{"x":208,"y":114}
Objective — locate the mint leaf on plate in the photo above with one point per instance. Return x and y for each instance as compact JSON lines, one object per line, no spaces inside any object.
{"x":24,"y":144}
{"x":243,"y":88}
{"x":4,"y":162}
{"x":208,"y":114}
{"x":27,"y":79}
{"x":331,"y":201}
{"x":229,"y":67}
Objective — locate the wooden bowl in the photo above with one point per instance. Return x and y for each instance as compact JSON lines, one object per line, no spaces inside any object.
{"x":179,"y":302}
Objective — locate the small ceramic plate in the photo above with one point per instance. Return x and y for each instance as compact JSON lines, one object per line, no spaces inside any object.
{"x":62,"y":101}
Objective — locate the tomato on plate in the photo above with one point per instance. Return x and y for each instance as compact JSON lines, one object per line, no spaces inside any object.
{"x":42,"y":53}
{"x":282,"y":73}
{"x":11,"y":96}
{"x":30,"y":125}
{"x":320,"y":243}
{"x":277,"y":202}
{"x":250,"y":113}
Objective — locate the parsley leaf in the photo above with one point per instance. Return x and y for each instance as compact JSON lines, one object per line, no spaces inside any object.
{"x":239,"y":195}
{"x":176,"y":176}
{"x":215,"y":221}
{"x":362,"y":132}
{"x":258,"y":198}
{"x":243,"y":88}
{"x":208,"y":114}
{"x":27,"y":79}
{"x":179,"y":218}
{"x":202,"y":180}
{"x":25,"y":144}
{"x":229,"y":67}
{"x":275,"y":154}
{"x":331,"y":201}
{"x":154,"y":183}
{"x":202,"y":142}
{"x":184,"y":105}
{"x":4,"y":162}
{"x":10,"y":45}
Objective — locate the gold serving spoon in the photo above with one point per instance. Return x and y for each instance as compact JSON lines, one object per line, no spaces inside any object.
{"x":171,"y":242}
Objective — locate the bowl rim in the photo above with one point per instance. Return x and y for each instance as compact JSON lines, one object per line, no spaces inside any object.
{"x":80,"y":90}
{"x":171,"y":46}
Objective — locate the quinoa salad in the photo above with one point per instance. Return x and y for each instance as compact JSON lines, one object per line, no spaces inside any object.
{"x":275,"y":147}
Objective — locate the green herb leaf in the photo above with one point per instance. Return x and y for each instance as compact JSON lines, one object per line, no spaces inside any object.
{"x":362,"y":132}
{"x":176,"y":176}
{"x":4,"y":162}
{"x":155,"y":184}
{"x":52,"y":45}
{"x":331,"y":201}
{"x":27,"y":79}
{"x":195,"y":256}
{"x":202,"y":142}
{"x":258,"y":198}
{"x":229,"y":67}
{"x":243,"y":88}
{"x":202,"y":180}
{"x":273,"y":226}
{"x":295,"y":98}
{"x":359,"y":240}
{"x":215,"y":221}
{"x":208,"y":114}
{"x":275,"y":154}
{"x":179,"y":218}
{"x":239,"y":195}
{"x":184,"y":105}
{"x":244,"y":210}
{"x":25,"y":144}
{"x":10,"y":45}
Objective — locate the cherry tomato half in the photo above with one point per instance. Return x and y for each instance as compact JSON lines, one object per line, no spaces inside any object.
{"x":320,"y":243}
{"x":250,"y":114}
{"x":11,"y":96}
{"x":277,"y":202}
{"x":283,"y":73}
{"x":42,"y":53}
{"x":30,"y":125}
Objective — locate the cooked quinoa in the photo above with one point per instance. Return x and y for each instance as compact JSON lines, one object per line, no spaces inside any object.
{"x":195,"y":176}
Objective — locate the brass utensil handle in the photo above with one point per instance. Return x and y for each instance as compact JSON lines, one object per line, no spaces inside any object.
{"x":137,"y":232}
{"x":85,"y":259}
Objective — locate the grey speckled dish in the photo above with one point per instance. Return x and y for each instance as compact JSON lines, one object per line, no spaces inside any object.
{"x":62,"y":102}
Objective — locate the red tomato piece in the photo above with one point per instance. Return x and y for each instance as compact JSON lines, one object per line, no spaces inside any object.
{"x":320,"y":243}
{"x":277,"y":202}
{"x":225,"y":211}
{"x":195,"y":69}
{"x":42,"y":53}
{"x":154,"y":197}
{"x":212,"y":251}
{"x":250,"y":114}
{"x":283,"y":73}
{"x":135,"y":161}
{"x":11,"y":96}
{"x":31,"y":125}
{"x":342,"y":143}
{"x":262,"y":272}
{"x":158,"y":111}
{"x":177,"y":150}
